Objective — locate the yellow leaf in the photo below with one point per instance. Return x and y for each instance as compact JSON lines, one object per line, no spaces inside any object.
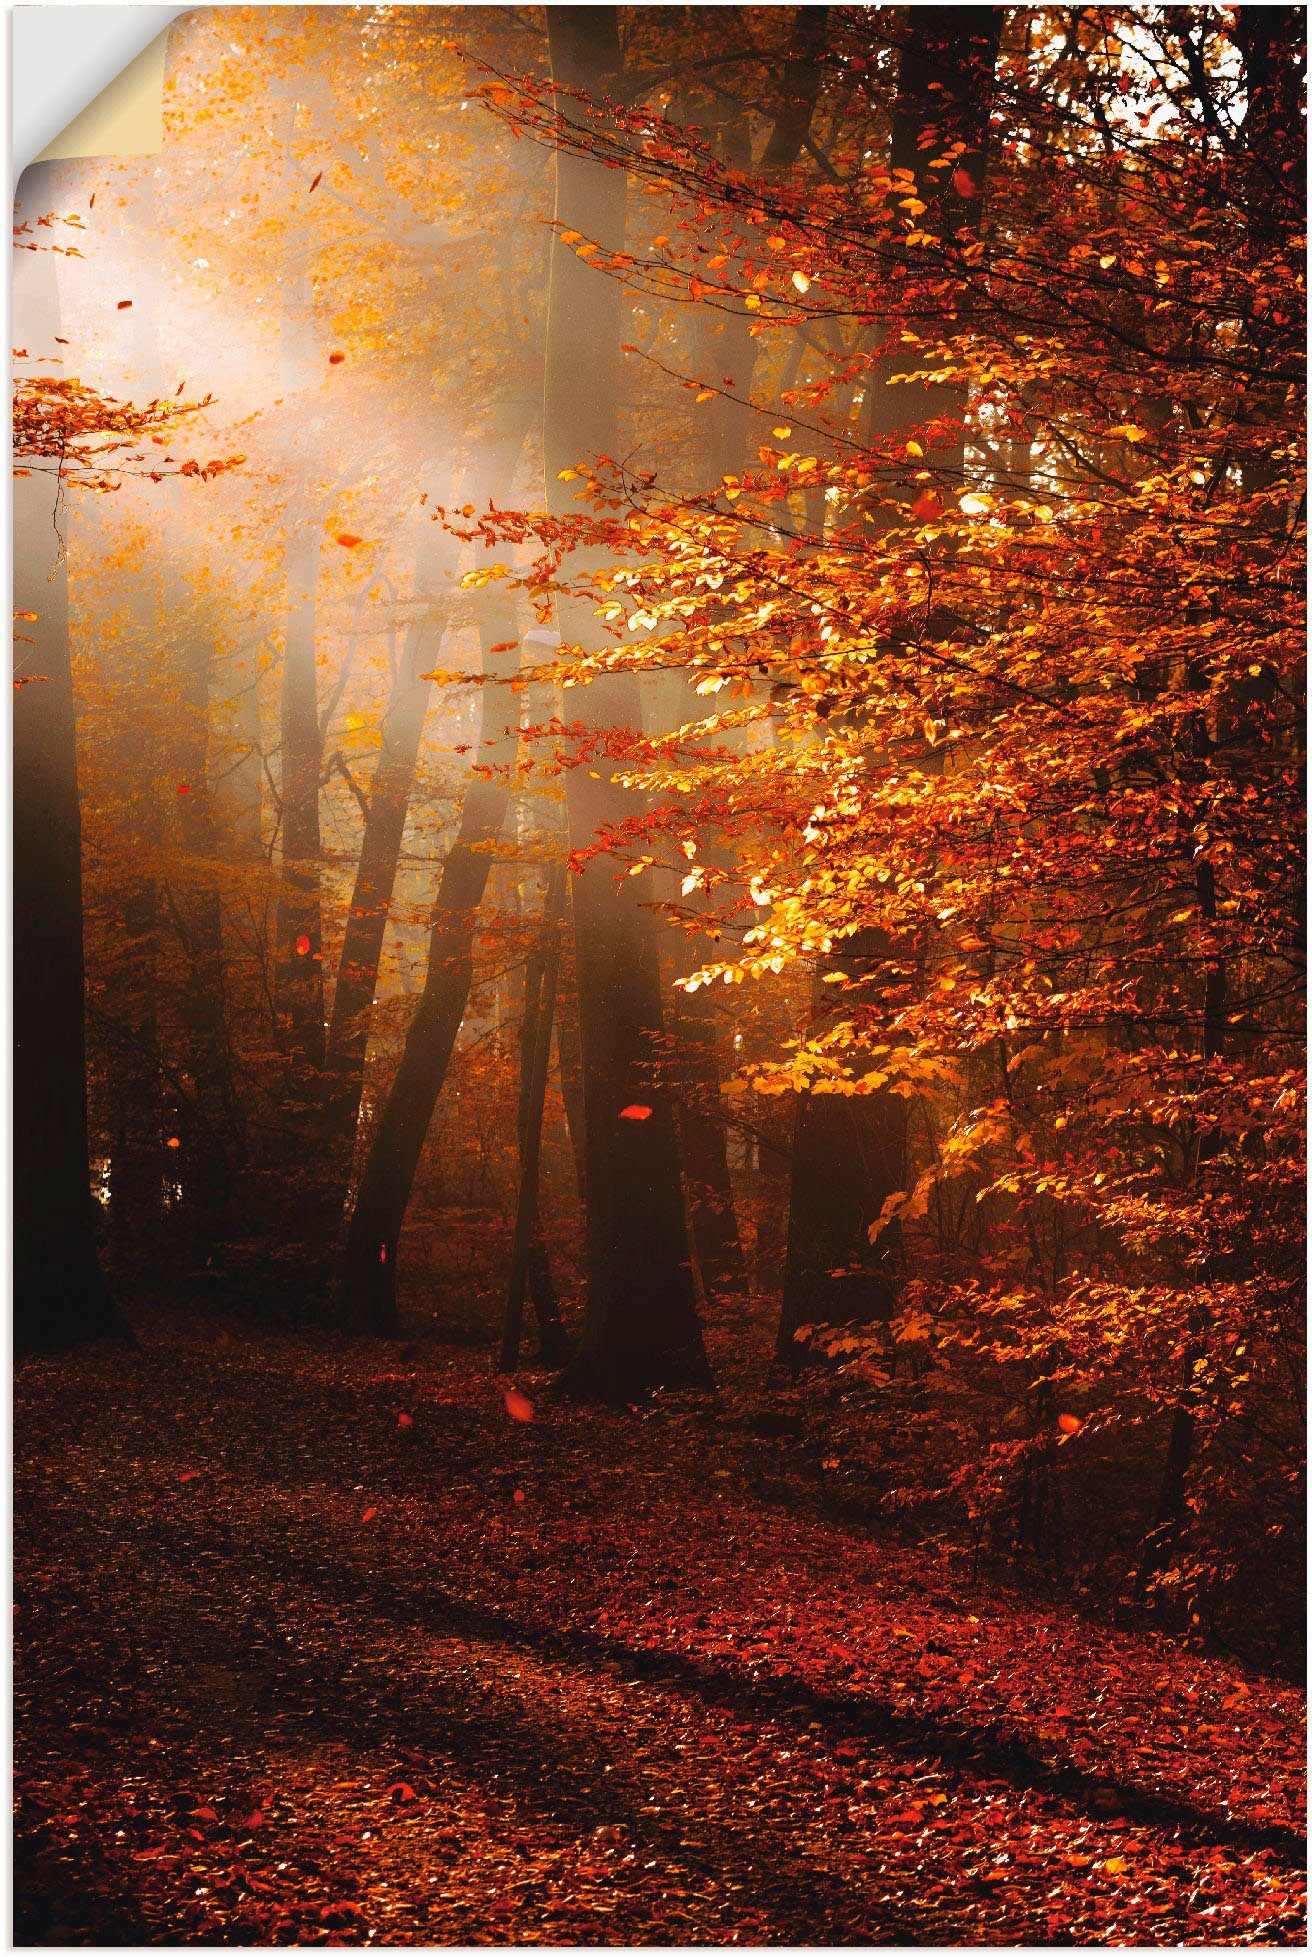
{"x":801,"y":281}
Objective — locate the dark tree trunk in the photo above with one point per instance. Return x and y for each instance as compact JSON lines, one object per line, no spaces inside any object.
{"x":369,"y":1275}
{"x":641,"y":1327}
{"x":711,"y":1205}
{"x":849,"y":1153}
{"x":60,"y":1296}
{"x":529,"y":1267}
{"x":371,"y":898}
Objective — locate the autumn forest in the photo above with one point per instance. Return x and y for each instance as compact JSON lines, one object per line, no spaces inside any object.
{"x":658,"y":911}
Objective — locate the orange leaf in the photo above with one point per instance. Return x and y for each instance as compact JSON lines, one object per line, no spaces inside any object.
{"x":634,"y":1112}
{"x":368,"y":1515}
{"x":1070,"y":1423}
{"x":336,"y":359}
{"x":347,"y":541}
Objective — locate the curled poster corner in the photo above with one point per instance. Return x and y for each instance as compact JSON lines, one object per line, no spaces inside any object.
{"x":87,"y":81}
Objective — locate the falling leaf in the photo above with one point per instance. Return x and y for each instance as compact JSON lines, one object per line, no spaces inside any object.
{"x":123,"y":305}
{"x":964,"y":184}
{"x":317,"y":181}
{"x":801,"y":281}
{"x":303,"y":946}
{"x":1070,"y":1423}
{"x":174,"y":1142}
{"x":518,"y":1405}
{"x":636,"y":1111}
{"x":336,"y":359}
{"x":369,"y":1515}
{"x":405,"y":1420}
{"x":348,"y":540}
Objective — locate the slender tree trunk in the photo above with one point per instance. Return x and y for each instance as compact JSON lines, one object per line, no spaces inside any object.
{"x":299,"y":962}
{"x":539,"y":1011}
{"x":641,"y":1327}
{"x":375,"y":880}
{"x":209,"y":1165}
{"x":712,"y":1208}
{"x":369,"y":1301}
{"x":60,"y":1296}
{"x":569,"y":1055}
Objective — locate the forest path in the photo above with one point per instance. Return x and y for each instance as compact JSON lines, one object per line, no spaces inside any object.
{"x":318,"y":1644}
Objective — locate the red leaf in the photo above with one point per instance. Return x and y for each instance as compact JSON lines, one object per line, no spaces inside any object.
{"x":634,"y":1112}
{"x":254,"y":1819}
{"x":192,"y":1474}
{"x":405,"y":1420}
{"x":518,"y":1405}
{"x":1070,"y":1423}
{"x":302,"y":946}
{"x":368,"y":1515}
{"x":964,"y":184}
{"x":348,"y":540}
{"x":519,"y":1495}
{"x":336,"y":359}
{"x":123,"y":305}
{"x":318,"y":180}
{"x":185,"y":788}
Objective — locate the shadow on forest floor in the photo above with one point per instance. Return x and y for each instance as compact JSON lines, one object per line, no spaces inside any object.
{"x":317,"y":1644}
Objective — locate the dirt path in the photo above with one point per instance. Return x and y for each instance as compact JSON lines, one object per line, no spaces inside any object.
{"x":319,"y":1644}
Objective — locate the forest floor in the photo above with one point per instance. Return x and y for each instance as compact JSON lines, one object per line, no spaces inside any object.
{"x":320,"y":1643}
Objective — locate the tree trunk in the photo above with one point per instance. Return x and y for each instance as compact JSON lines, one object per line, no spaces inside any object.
{"x":641,"y":1327}
{"x":849,"y":1153}
{"x":209,"y":1164}
{"x":60,"y":1296}
{"x":369,"y":1300}
{"x":371,"y":898}
{"x":529,"y":1269}
{"x":299,"y":961}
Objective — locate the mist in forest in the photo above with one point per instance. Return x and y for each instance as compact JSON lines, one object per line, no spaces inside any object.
{"x":658,"y":795}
